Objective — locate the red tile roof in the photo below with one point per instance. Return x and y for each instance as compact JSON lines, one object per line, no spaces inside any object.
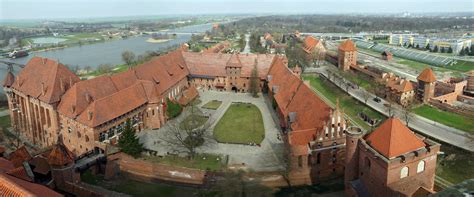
{"x":113,"y":106}
{"x":234,"y":61}
{"x":40,"y":165}
{"x":9,"y":80}
{"x":218,"y":47}
{"x":309,"y":43}
{"x":12,"y":186}
{"x":20,"y":173}
{"x":347,"y":45}
{"x":393,"y":138}
{"x":188,"y":95}
{"x":427,"y":75}
{"x":5,"y":165}
{"x":19,"y":156}
{"x":60,"y":155}
{"x":213,"y":65}
{"x":44,"y":79}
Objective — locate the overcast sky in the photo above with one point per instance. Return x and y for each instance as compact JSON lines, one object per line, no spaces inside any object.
{"x":43,"y":9}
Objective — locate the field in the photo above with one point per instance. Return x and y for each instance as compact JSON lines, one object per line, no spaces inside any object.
{"x":446,"y":118}
{"x":242,"y":123}
{"x":202,"y":161}
{"x":350,"y":105}
{"x":214,"y":104}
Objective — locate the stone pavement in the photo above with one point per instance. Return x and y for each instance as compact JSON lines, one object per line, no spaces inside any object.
{"x":267,"y":157}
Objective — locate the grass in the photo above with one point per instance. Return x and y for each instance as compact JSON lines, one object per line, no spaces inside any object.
{"x":214,"y":104}
{"x":137,"y":188}
{"x":5,"y":122}
{"x":462,"y":65}
{"x":350,"y":105}
{"x":456,"y":165}
{"x":359,"y":79}
{"x":201,"y":161}
{"x":446,"y":118}
{"x":187,"y":122}
{"x":242,"y":123}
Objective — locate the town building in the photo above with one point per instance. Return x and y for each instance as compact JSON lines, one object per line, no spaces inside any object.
{"x":347,"y":55}
{"x":398,"y":89}
{"x":314,"y":49}
{"x":390,"y":161}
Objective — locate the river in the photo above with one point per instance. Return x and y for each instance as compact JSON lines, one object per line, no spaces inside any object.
{"x":109,"y":52}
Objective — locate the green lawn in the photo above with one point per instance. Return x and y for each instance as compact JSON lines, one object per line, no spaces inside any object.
{"x":350,"y":105}
{"x":214,"y":104}
{"x":202,"y":161}
{"x":242,"y":123}
{"x":5,"y":122}
{"x":446,"y":118}
{"x":463,"y":66}
{"x":456,"y":165}
{"x":138,"y":188}
{"x":193,"y":121}
{"x":358,"y":78}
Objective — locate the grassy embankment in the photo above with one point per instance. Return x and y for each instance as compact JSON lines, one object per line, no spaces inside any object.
{"x":350,"y":105}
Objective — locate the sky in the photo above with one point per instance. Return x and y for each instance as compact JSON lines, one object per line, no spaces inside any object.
{"x":50,"y":9}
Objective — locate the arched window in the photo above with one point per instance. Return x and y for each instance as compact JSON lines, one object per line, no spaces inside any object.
{"x":367,"y":163}
{"x":421,"y":167}
{"x":404,"y":172}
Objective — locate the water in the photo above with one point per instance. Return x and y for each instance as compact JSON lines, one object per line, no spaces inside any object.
{"x":48,"y":40}
{"x":109,"y":52}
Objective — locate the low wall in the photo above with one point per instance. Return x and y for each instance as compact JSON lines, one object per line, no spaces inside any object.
{"x":149,"y":171}
{"x":450,"y":108}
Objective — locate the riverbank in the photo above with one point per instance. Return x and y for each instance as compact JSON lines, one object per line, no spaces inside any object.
{"x":152,"y":40}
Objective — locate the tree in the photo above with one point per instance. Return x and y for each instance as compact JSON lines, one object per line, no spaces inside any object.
{"x":418,"y":46}
{"x":104,"y":68}
{"x":186,"y":138}
{"x":254,"y":81}
{"x":435,"y":49}
{"x":442,"y":50}
{"x":407,"y":112}
{"x":450,"y":49}
{"x":129,"y":142}
{"x":471,"y":53}
{"x":389,"y":106}
{"x":128,"y":57}
{"x":172,"y":109}
{"x":365,"y":95}
{"x":428,"y":47}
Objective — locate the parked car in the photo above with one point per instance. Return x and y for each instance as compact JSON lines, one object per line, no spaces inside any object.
{"x":377,"y":99}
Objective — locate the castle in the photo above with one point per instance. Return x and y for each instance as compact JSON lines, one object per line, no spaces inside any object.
{"x":49,"y":102}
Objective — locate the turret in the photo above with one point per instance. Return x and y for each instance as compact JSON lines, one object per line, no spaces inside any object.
{"x":353,"y":135}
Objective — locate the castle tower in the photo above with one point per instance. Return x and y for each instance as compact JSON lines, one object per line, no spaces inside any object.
{"x":347,"y":55}
{"x":470,"y":81}
{"x":426,"y":85}
{"x":353,"y":135}
{"x":62,"y":164}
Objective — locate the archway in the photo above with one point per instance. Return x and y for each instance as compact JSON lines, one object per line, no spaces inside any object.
{"x":234,"y":89}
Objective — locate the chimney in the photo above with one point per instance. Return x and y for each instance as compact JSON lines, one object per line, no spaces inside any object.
{"x":43,"y":90}
{"x":292,"y":117}
{"x":89,"y":115}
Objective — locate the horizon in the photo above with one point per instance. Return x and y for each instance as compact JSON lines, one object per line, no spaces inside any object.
{"x":54,"y":9}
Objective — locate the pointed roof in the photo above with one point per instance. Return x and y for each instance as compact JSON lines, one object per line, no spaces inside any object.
{"x":9,"y":80}
{"x":393,"y":139}
{"x":427,"y":75}
{"x":347,"y":45}
{"x":44,"y":79}
{"x":60,"y":155}
{"x":234,"y":61}
{"x":309,"y":43}
{"x":19,"y":156}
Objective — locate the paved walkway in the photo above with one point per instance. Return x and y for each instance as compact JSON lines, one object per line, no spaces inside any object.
{"x":267,"y":157}
{"x":423,"y":125}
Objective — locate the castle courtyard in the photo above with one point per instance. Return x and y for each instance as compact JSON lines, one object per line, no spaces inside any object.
{"x":265,"y":157}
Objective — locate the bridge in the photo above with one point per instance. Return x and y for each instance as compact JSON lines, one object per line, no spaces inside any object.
{"x":11,"y":64}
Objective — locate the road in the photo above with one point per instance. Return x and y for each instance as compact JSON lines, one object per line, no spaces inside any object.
{"x":425,"y":126}
{"x":247,"y":46}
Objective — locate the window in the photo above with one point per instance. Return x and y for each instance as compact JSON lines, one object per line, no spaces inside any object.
{"x":367,"y":163}
{"x":87,"y":138}
{"x":318,"y":158}
{"x":101,"y":137}
{"x":404,"y":172}
{"x":421,"y":167}
{"x":300,"y":161}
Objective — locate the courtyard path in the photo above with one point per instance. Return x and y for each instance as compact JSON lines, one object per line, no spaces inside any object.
{"x":267,"y":157}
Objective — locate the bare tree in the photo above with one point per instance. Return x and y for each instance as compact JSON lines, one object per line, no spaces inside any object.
{"x":365,"y":95}
{"x":128,"y":57}
{"x":389,"y":106}
{"x":186,"y":137}
{"x":407,"y":112}
{"x":254,"y":81}
{"x":104,"y":68}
